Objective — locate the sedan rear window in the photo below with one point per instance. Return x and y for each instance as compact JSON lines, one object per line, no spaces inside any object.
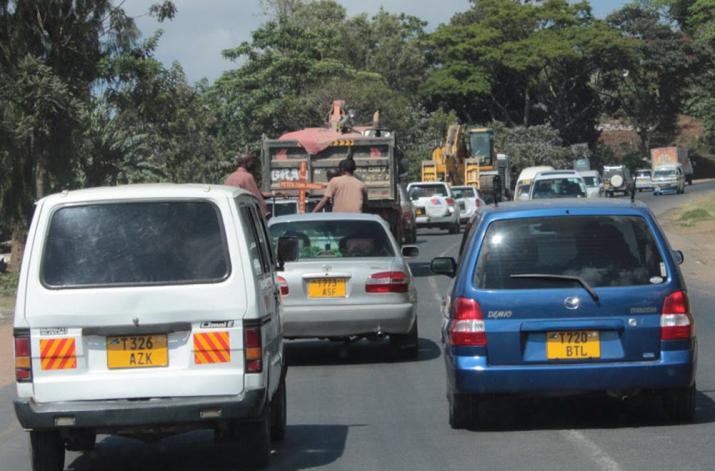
{"x":335,"y":239}
{"x":603,"y":250}
{"x":135,"y":244}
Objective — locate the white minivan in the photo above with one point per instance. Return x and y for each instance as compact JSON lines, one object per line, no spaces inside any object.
{"x":147,"y":310}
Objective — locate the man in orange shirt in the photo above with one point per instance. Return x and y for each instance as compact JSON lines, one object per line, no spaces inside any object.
{"x":243,"y":178}
{"x":349,"y":194}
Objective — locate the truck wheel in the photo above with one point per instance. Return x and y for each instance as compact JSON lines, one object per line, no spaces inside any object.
{"x":279,"y":412}
{"x":690,"y":180}
{"x":255,"y":441}
{"x":412,"y":236}
{"x":463,"y":410}
{"x":455,"y":228}
{"x":679,"y":404}
{"x":47,"y":451}
{"x":407,"y":344}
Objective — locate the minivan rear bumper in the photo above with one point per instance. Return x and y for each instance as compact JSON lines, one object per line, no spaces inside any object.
{"x":118,"y":414}
{"x":473,"y":375}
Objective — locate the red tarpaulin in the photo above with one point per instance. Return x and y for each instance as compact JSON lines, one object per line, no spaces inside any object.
{"x":314,"y":140}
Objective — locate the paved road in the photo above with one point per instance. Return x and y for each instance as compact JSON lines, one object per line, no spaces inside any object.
{"x":371,"y":412}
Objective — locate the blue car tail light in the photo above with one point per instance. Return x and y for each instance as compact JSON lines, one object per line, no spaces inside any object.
{"x":466,"y":325}
{"x":676,"y":323}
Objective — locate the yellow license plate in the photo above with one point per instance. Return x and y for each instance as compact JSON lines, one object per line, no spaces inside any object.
{"x":573,"y":345}
{"x":420,"y":211}
{"x":137,"y":351}
{"x":327,"y":288}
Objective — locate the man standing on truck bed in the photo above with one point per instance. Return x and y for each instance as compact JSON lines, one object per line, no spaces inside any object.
{"x":349,"y":194}
{"x":243,"y":178}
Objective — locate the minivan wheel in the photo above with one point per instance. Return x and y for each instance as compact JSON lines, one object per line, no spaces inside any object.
{"x":679,"y":404}
{"x":47,"y":451}
{"x":463,"y":410}
{"x":279,"y":412}
{"x":407,"y":344}
{"x":255,"y":441}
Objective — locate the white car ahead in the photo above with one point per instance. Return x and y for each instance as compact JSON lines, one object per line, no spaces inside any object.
{"x":468,"y":200}
{"x":435,"y":205}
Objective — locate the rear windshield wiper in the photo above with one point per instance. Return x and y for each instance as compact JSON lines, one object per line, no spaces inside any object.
{"x":546,"y":276}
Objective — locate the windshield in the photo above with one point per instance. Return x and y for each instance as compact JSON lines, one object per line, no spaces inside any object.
{"x":335,"y":239}
{"x":481,"y":146}
{"x":463,"y":192}
{"x":523,"y":189}
{"x":567,"y":187}
{"x":591,"y":181}
{"x":665,"y":173}
{"x":135,"y":243}
{"x":603,"y":250}
{"x":427,"y":191}
{"x":643,"y":174}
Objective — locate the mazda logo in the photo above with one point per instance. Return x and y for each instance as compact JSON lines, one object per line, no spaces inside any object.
{"x":572,"y":302}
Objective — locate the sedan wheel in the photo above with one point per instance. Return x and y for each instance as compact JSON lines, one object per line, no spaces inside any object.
{"x":463,"y":410}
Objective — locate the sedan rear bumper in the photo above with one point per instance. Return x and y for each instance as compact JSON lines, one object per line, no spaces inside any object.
{"x":347,"y":320}
{"x":473,"y":375}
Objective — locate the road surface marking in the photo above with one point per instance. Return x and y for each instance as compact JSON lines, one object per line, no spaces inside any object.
{"x":586,"y":445}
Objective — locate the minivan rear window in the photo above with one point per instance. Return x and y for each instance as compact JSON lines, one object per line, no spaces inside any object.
{"x":603,"y":250}
{"x":137,"y":243}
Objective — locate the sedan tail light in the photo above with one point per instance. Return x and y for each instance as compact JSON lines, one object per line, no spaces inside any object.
{"x":387,"y":282}
{"x":23,"y":359}
{"x":466,"y":326}
{"x":252,"y":347}
{"x":282,"y":286}
{"x":676,"y":323}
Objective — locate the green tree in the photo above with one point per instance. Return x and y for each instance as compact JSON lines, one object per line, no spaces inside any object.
{"x":522,"y":64}
{"x":648,"y":87}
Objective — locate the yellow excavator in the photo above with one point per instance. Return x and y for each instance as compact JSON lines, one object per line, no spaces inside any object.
{"x":467,"y":157}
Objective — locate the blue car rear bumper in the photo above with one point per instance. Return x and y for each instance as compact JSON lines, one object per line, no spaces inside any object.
{"x":473,"y":375}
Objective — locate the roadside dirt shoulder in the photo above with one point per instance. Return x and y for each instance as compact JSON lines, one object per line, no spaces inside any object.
{"x":695,"y":237}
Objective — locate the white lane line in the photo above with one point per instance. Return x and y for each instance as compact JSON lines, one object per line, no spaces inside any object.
{"x":596,"y":453}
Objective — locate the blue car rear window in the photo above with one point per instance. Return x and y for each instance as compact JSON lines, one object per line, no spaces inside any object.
{"x":603,"y":250}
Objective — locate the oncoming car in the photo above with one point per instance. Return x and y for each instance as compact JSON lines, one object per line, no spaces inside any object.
{"x":148,"y":310}
{"x":567,"y":298}
{"x":344,"y":278}
{"x":558,"y":184}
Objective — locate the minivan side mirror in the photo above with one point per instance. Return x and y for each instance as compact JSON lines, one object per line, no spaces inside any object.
{"x":288,"y":248}
{"x":444,"y":266}
{"x":410,"y":251}
{"x":678,"y":256}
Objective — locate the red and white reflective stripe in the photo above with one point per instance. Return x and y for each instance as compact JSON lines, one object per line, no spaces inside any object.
{"x":676,"y":322}
{"x":466,"y":326}
{"x":387,"y":282}
{"x":282,"y":286}
{"x":212,"y":347}
{"x":58,"y":353}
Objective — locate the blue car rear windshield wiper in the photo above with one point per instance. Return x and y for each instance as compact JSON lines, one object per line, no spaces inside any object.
{"x":546,"y":276}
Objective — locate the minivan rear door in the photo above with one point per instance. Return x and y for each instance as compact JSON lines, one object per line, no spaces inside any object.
{"x":534,"y":316}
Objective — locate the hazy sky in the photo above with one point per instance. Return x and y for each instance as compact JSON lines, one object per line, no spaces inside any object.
{"x":203,"y":28}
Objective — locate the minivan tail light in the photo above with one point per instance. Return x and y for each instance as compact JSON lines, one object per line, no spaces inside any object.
{"x":675,"y":320}
{"x":466,"y":326}
{"x":283,"y":286}
{"x":253,"y":347}
{"x":387,"y":282}
{"x":23,"y":359}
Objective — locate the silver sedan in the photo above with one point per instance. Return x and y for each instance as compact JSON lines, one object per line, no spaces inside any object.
{"x":343,"y":276}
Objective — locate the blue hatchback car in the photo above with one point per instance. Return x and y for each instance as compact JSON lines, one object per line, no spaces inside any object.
{"x":567,"y":296}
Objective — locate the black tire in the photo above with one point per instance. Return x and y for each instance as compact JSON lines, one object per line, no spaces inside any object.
{"x":255,"y":441}
{"x":81,"y":441}
{"x":412,"y":236}
{"x":47,"y":451}
{"x":407,"y":345}
{"x":463,"y":410}
{"x":279,"y":412}
{"x":455,"y":228}
{"x":679,"y":404}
